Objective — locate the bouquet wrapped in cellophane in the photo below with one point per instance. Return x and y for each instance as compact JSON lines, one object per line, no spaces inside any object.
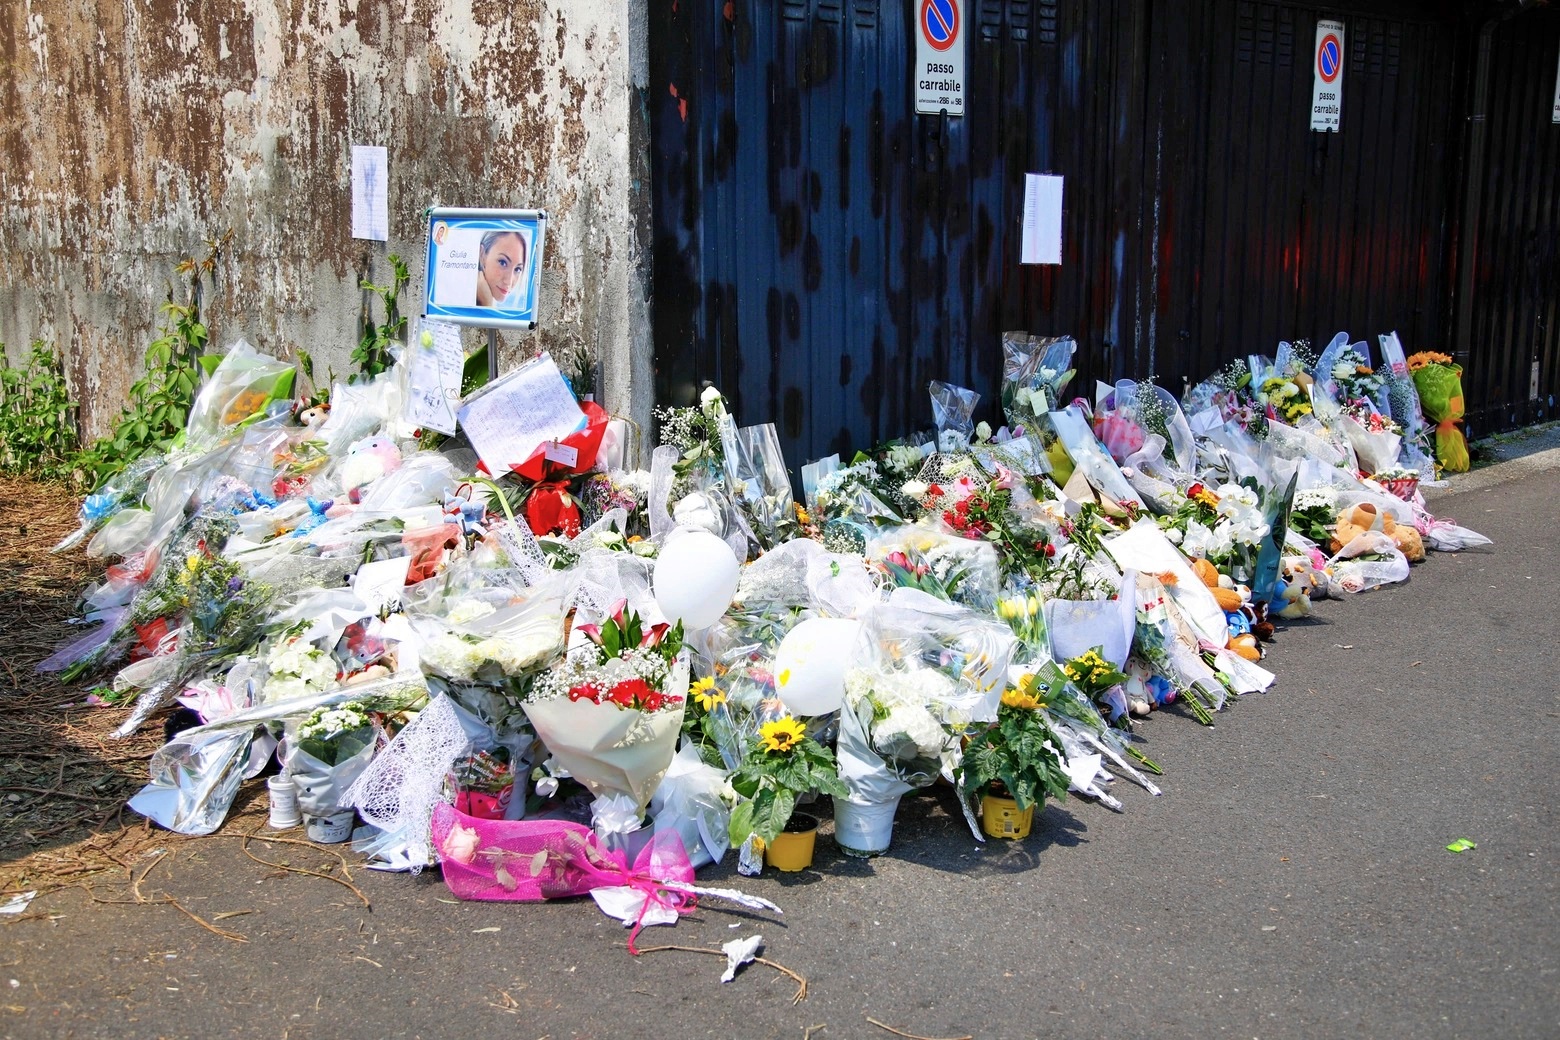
{"x":611,"y":712}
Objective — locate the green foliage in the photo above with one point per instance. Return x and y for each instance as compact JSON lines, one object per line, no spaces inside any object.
{"x":37,"y":418}
{"x":372,"y":354}
{"x":770,"y":780}
{"x":1019,"y":752}
{"x":160,"y":400}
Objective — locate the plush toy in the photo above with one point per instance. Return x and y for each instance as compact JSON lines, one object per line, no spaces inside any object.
{"x":1297,"y":579}
{"x":1236,"y":607}
{"x":1356,"y":520}
{"x":312,"y":414}
{"x":368,"y":460}
{"x":1140,"y":700}
{"x":461,"y":510}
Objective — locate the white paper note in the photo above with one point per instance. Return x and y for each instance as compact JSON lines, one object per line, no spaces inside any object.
{"x":507,"y":420}
{"x":370,"y":192}
{"x":1042,"y":219}
{"x":378,"y":583}
{"x":433,"y":376}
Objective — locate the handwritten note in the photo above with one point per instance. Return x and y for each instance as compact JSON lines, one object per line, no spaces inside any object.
{"x":370,"y":192}
{"x":507,"y":420}
{"x":1042,"y":243}
{"x":433,"y":376}
{"x":562,"y":454}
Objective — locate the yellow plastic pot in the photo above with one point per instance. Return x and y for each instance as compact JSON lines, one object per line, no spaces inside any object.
{"x":792,"y":849}
{"x":1000,"y":817}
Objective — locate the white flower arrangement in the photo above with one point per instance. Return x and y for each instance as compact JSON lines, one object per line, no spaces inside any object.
{"x":906,"y":725}
{"x":1313,"y":497}
{"x":514,"y":654}
{"x":330,"y":723}
{"x":298,"y":668}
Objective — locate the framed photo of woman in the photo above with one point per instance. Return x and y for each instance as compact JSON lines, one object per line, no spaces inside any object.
{"x":484,"y":266}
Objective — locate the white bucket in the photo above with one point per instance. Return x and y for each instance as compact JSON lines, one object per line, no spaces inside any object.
{"x":328,"y":830}
{"x":283,"y":795}
{"x":864,"y":830}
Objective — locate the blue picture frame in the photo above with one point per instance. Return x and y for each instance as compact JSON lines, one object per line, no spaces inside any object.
{"x":484,"y":266}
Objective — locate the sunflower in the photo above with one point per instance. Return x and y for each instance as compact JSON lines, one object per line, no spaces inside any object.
{"x":782,"y":734}
{"x":1425,"y":358}
{"x":706,"y":694}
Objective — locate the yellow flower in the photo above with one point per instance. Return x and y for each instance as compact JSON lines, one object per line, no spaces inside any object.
{"x":1013,"y":697}
{"x":706,"y":694}
{"x":191,"y":562}
{"x":782,"y":734}
{"x":1027,"y":694}
{"x":1206,"y":497}
{"x":802,"y":516}
{"x":1425,"y":358}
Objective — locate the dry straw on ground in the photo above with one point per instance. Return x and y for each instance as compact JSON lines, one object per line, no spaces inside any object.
{"x":63,"y":782}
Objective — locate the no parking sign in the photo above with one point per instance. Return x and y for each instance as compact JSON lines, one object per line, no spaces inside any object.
{"x":1327,"y":94}
{"x":939,"y":57}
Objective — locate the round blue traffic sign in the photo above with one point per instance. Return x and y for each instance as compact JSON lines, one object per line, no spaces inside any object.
{"x":1329,"y":58}
{"x":940,"y":23}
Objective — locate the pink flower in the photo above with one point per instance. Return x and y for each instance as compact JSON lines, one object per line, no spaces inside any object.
{"x":591,"y":632}
{"x":656,"y":634}
{"x":461,"y":843}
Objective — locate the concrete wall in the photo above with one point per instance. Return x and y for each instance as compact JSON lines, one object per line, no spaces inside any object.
{"x":131,"y":131}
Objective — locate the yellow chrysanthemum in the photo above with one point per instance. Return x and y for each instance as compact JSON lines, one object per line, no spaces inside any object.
{"x":802,"y":516}
{"x":706,"y":694}
{"x":782,"y":734}
{"x":1206,"y":497}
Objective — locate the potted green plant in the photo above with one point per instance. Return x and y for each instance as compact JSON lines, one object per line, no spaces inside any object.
{"x":1014,"y":763}
{"x":782,"y":762}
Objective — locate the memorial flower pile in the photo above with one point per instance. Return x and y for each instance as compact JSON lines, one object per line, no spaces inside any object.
{"x":1000,"y":608}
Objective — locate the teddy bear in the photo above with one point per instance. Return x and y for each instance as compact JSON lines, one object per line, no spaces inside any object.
{"x":1296,"y":582}
{"x":1236,"y":607}
{"x":1358,"y":519}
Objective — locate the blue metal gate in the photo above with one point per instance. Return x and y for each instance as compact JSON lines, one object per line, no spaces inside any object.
{"x":821,"y":252}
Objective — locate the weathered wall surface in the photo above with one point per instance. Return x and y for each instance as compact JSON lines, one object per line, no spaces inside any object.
{"x":131,"y":131}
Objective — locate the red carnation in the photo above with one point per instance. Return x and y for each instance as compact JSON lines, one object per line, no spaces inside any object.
{"x":586,"y":692}
{"x":625,"y":693}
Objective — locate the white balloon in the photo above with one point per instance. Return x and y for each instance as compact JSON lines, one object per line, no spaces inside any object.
{"x":810,"y":664}
{"x":695,"y":577}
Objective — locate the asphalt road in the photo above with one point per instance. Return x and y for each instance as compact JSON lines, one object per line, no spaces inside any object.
{"x":1292,"y":881}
